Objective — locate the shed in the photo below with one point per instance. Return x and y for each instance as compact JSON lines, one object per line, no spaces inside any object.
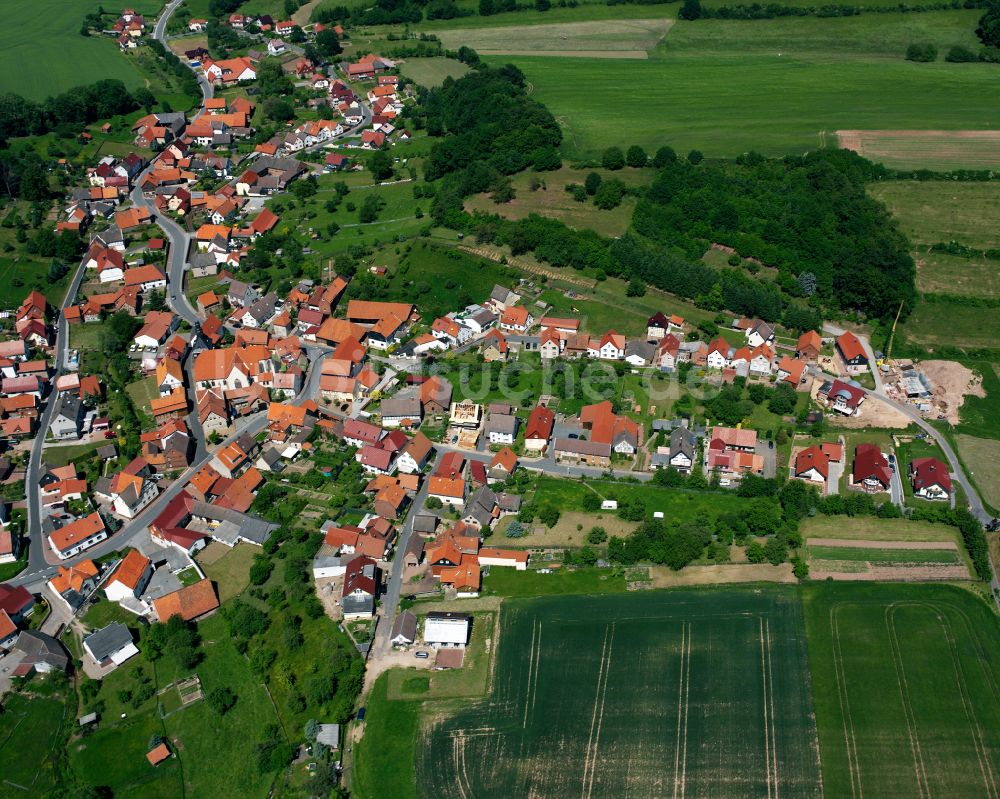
{"x":329,"y":735}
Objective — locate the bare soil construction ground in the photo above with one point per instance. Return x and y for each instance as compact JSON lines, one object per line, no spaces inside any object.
{"x":926,"y":149}
{"x":626,"y":38}
{"x":952,"y":382}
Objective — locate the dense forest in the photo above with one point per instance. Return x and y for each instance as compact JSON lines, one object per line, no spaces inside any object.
{"x":802,"y":215}
{"x":834,"y":248}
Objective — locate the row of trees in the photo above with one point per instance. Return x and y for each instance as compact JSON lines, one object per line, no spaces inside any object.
{"x":80,"y":106}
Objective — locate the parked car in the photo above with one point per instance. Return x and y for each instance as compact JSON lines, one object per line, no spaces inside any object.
{"x":421,"y":654}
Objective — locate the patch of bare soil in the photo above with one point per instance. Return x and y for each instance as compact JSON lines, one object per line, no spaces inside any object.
{"x":723,"y":574}
{"x":328,"y":591}
{"x":897,"y":574}
{"x":874,"y":413}
{"x":952,"y":383}
{"x":867,"y":544}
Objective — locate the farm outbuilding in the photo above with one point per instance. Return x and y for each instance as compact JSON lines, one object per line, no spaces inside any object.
{"x":447,"y":629}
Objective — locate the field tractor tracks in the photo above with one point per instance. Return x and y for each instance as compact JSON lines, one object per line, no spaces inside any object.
{"x":850,"y":741}
{"x":770,"y":744}
{"x":597,"y":719}
{"x":904,"y":696}
{"x":683,"y":692}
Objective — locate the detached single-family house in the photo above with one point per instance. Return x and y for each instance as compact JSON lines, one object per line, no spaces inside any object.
{"x":110,"y":646}
{"x":852,"y":353}
{"x":930,"y":478}
{"x":871,"y":470}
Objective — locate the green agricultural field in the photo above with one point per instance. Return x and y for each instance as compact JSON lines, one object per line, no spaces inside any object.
{"x":42,"y":52}
{"x":431,"y":72}
{"x":904,"y":685}
{"x":950,"y":274}
{"x":698,"y":693}
{"x":936,"y":211}
{"x":774,"y":86}
{"x":552,"y":200}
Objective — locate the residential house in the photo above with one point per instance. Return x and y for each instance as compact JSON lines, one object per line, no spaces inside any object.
{"x":190,"y":602}
{"x":132,"y":489}
{"x":809,"y":346}
{"x":110,"y":646}
{"x":360,"y":589}
{"x":67,"y":420}
{"x":501,"y":428}
{"x":415,"y":454}
{"x":130,"y":577}
{"x":78,"y":536}
{"x":852,"y":353}
{"x":930,"y":479}
{"x":538,"y":430}
{"x":871,"y":470}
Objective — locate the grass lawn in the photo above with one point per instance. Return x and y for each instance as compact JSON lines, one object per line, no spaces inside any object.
{"x":512,"y":583}
{"x":43,"y":52}
{"x":231,"y":572}
{"x":60,"y":456}
{"x":554,"y":201}
{"x":774,"y":86}
{"x":384,"y":759}
{"x":677,"y":505}
{"x":85,"y":336}
{"x":937,"y":324}
{"x":431,"y":72}
{"x":982,"y":456}
{"x":951,"y":274}
{"x":606,"y":307}
{"x":29,"y":725}
{"x":870,"y":528}
{"x":931,"y":212}
{"x":200,"y":729}
{"x":142,"y":392}
{"x":115,"y":755}
{"x":20,"y":274}
{"x":903,"y":685}
{"x":441,"y":279}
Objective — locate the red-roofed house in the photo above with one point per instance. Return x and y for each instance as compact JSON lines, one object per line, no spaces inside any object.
{"x":930,"y":478}
{"x":871,"y":471}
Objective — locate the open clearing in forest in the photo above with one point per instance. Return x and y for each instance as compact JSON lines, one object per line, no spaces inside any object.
{"x":905,"y":690}
{"x":926,"y":149}
{"x":624,"y":38}
{"x":674,"y":693}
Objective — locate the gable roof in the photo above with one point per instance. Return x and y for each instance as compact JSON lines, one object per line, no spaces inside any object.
{"x":850,"y":346}
{"x":189,"y":602}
